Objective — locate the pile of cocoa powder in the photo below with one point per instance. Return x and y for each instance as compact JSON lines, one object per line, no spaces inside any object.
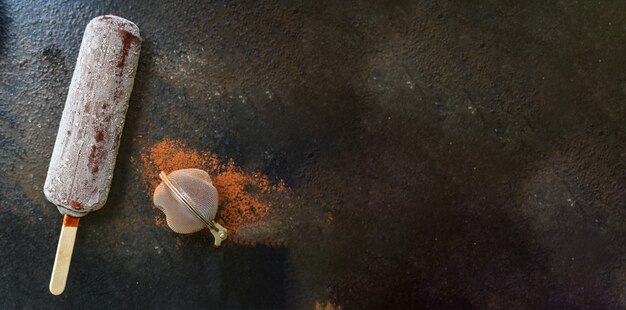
{"x":240,"y":192}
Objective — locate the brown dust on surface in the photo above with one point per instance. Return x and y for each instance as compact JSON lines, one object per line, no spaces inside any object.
{"x":326,"y":306}
{"x":240,"y":193}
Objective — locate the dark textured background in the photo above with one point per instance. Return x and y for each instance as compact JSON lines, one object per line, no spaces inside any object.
{"x":473,"y":152}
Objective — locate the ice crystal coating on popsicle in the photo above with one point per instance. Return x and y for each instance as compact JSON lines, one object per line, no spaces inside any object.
{"x":83,"y":159}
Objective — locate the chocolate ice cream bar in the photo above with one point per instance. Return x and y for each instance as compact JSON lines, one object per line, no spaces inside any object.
{"x":81,"y":168}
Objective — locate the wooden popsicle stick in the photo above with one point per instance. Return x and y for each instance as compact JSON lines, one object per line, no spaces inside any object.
{"x":64,"y":254}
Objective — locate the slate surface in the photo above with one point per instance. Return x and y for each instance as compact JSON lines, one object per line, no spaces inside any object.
{"x":474,"y":153}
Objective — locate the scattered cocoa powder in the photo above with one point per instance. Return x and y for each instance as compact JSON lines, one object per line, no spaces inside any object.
{"x":170,"y":155}
{"x":160,"y":220}
{"x":326,"y":306}
{"x":237,"y":204}
{"x":240,"y":193}
{"x":330,"y":217}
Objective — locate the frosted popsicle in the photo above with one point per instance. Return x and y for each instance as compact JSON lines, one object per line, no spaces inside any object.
{"x":81,"y":167}
{"x":83,"y":159}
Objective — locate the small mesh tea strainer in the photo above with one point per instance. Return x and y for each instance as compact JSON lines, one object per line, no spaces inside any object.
{"x":189,"y":201}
